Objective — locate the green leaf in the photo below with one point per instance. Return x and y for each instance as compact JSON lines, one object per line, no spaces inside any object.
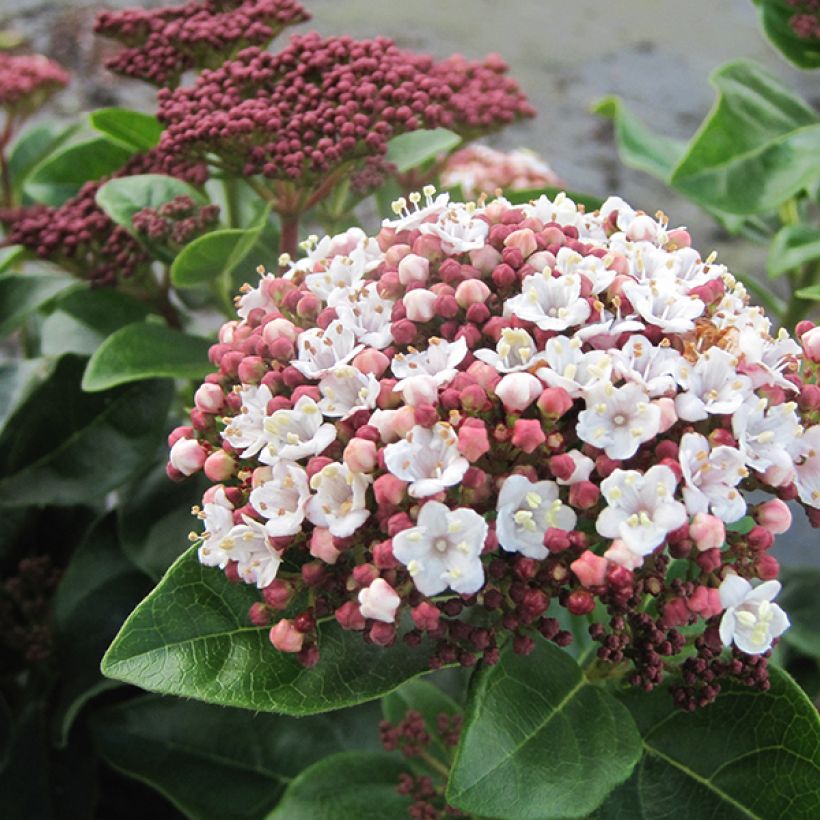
{"x":812,"y":293}
{"x":800,"y":600}
{"x":410,"y":150}
{"x":347,"y":785}
{"x":133,"y":129}
{"x":62,"y":446}
{"x":33,"y":146}
{"x":750,"y":754}
{"x":81,"y":320}
{"x":17,"y":379}
{"x":61,"y":175}
{"x":540,"y":741}
{"x":23,"y":293}
{"x":6,"y":730}
{"x":188,"y":751}
{"x":804,"y":52}
{"x":191,"y":637}
{"x":99,"y":588}
{"x":9,"y":255}
{"x":145,"y":350}
{"x":791,"y":247}
{"x":589,"y":201}
{"x":759,"y":146}
{"x":122,"y":198}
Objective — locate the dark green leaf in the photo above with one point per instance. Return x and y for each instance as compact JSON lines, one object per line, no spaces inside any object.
{"x":589,"y":201}
{"x":347,"y":785}
{"x":804,"y":52}
{"x":87,"y":448}
{"x":24,"y":780}
{"x":759,"y":146}
{"x":96,"y":593}
{"x":145,"y":351}
{"x":81,"y":321}
{"x":191,"y":637}
{"x":6,"y":730}
{"x":62,"y":175}
{"x":33,"y":146}
{"x":23,"y":293}
{"x":540,"y":741}
{"x":10,"y":255}
{"x":189,"y":751}
{"x":17,"y":379}
{"x":801,"y":601}
{"x":410,"y":150}
{"x":791,"y":247}
{"x":748,"y":755}
{"x":812,"y":293}
{"x":133,"y":129}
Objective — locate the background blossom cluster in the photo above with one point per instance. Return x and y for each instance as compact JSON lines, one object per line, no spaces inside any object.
{"x":488,"y":414}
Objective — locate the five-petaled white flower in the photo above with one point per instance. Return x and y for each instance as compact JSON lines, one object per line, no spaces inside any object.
{"x":339,"y":502}
{"x":217,"y":545}
{"x":750,"y":621}
{"x":711,"y":475}
{"x":379,"y":601}
{"x":440,"y":360}
{"x":282,"y":499}
{"x":592,"y":267}
{"x":515,"y":351}
{"x":641,"y":508}
{"x":526,"y":510}
{"x":768,"y":436}
{"x":342,"y":275}
{"x":808,"y":469}
{"x":551,"y":302}
{"x":618,"y":419}
{"x":429,"y":458}
{"x":443,"y":549}
{"x":458,"y":229}
{"x":297,"y":433}
{"x":258,"y":561}
{"x":653,"y":368}
{"x":664,"y":306}
{"x":566,"y":366}
{"x":368,"y":315}
{"x":712,"y":385}
{"x":345,"y":389}
{"x":409,"y":217}
{"x":245,"y":431}
{"x":321,"y":350}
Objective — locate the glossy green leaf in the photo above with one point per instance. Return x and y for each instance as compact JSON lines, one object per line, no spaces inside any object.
{"x":589,"y":201}
{"x":191,"y":637}
{"x":748,"y":755}
{"x":801,"y":601}
{"x":23,"y":293}
{"x":33,"y":146}
{"x":759,"y":146}
{"x":804,"y":52}
{"x":791,"y":247}
{"x":213,"y":763}
{"x":133,"y":129}
{"x":64,"y":446}
{"x":10,"y":255}
{"x":812,"y":293}
{"x":81,"y":320}
{"x":354,"y":785}
{"x":144,"y":350}
{"x":122,"y":198}
{"x":540,"y":741}
{"x":410,"y":150}
{"x":98,"y":590}
{"x":60,"y":176}
{"x":17,"y":379}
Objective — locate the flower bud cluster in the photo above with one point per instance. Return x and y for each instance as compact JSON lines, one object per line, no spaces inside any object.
{"x":479,"y":169}
{"x":805,"y":23}
{"x":176,"y":222}
{"x":446,"y":433}
{"x":27,"y":81}
{"x":163,"y":43}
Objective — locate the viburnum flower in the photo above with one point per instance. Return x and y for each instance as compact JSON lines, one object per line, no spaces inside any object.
{"x":27,"y":81}
{"x":750,"y":620}
{"x":470,"y":425}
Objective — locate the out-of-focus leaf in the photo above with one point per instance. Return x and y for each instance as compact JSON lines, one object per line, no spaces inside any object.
{"x":23,"y":293}
{"x":133,"y":129}
{"x":410,"y":150}
{"x":793,"y":246}
{"x":33,"y":146}
{"x":775,"y":17}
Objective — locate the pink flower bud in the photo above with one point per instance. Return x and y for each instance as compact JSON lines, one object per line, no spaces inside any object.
{"x":187,"y":456}
{"x":485,"y":259}
{"x":707,"y":531}
{"x":675,"y":612}
{"x":426,"y":415}
{"x":678,"y":238}
{"x":524,"y":240}
{"x":643,"y":229}
{"x":371,"y":361}
{"x":779,"y":475}
{"x":226,"y":332}
{"x":542,"y":260}
{"x":219,"y":466}
{"x":584,"y":495}
{"x":277,"y":594}
{"x":618,"y":553}
{"x":518,"y":391}
{"x":705,"y":601}
{"x":668,"y":415}
{"x":361,"y":455}
{"x":485,"y":375}
{"x":259,"y":614}
{"x":382,"y":634}
{"x":528,"y":435}
{"x":349,"y":617}
{"x":709,"y":560}
{"x":322,"y":547}
{"x":364,"y":574}
{"x":768,"y":567}
{"x":179,"y":433}
{"x":775,"y":516}
{"x":473,"y":441}
{"x":426,"y":616}
{"x":810,"y":341}
{"x":379,"y":601}
{"x":419,"y":304}
{"x":285,"y":637}
{"x":760,"y":538}
{"x":394,"y":254}
{"x":398,"y":522}
{"x":413,"y":268}
{"x":554,"y":402}
{"x":383,"y":556}
{"x":590,"y":569}
{"x":404,"y":331}
{"x":471,"y":292}
{"x":389,"y":490}
{"x":403,"y":421}
{"x":580,"y":602}
{"x":209,"y":398}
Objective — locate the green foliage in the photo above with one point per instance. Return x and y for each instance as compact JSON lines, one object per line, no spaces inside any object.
{"x":802,"y":603}
{"x":219,"y":657}
{"x":415,"y":148}
{"x":23,"y":293}
{"x":540,"y":740}
{"x":135,"y":130}
{"x":774,"y":17}
{"x":34,"y":146}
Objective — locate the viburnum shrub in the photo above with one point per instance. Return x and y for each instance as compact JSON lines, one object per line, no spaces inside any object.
{"x":486,"y":408}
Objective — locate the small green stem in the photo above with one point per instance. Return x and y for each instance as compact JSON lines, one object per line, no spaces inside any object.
{"x":231,"y":191}
{"x":435,"y":764}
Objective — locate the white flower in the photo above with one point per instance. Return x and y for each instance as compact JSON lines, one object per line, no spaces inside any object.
{"x":808,"y":469}
{"x":339,"y":503}
{"x":515,"y":350}
{"x":297,"y":433}
{"x":245,"y":431}
{"x":583,"y":468}
{"x":217,"y":545}
{"x":552,"y":303}
{"x":409,"y":217}
{"x":342,"y":275}
{"x":253,"y":298}
{"x":458,"y":229}
{"x":321,"y":350}
{"x":443,"y":549}
{"x":526,"y":510}
{"x":283,"y":499}
{"x":561,"y":210}
{"x":768,"y":437}
{"x":604,"y":334}
{"x":571,"y":369}
{"x":427,"y":457}
{"x":345,"y":389}
{"x":367,"y":315}
{"x":711,"y":476}
{"x":653,"y":368}
{"x":712,"y":385}
{"x":666,"y":307}
{"x":618,"y":419}
{"x":592,"y":267}
{"x":751,"y":621}
{"x":319,"y":251}
{"x":440,"y":360}
{"x":641,"y":508}
{"x":379,"y":601}
{"x":258,"y":561}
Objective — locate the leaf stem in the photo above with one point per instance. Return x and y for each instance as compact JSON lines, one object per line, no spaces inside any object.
{"x":435,"y":764}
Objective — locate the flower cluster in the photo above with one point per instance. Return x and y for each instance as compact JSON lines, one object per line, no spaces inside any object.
{"x":163,"y":43}
{"x":480,"y":169}
{"x":485,"y":413}
{"x":321,"y":102}
{"x":176,"y":222}
{"x":27,"y":81}
{"x":806,"y":21}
